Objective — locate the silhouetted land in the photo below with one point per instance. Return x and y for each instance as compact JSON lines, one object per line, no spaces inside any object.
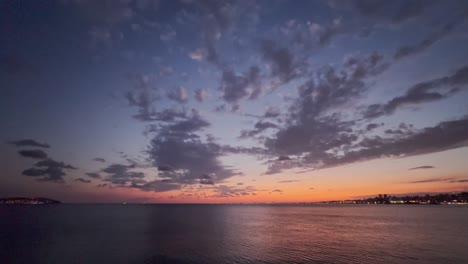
{"x":24,"y":200}
{"x":443,"y":198}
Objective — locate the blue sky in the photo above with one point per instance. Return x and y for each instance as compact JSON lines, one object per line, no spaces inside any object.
{"x":217,"y":101}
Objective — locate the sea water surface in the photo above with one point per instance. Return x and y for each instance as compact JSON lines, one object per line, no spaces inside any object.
{"x":233,"y":234}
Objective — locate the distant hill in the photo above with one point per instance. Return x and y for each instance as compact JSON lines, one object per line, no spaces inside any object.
{"x":24,"y":200}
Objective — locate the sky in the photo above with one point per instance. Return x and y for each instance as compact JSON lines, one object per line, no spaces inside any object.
{"x":232,"y":101}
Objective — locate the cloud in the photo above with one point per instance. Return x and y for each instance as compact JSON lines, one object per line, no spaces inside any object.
{"x":50,"y":170}
{"x":178,"y":94}
{"x":159,"y":186}
{"x":201,"y":95}
{"x":142,"y":96}
{"x":281,"y":60}
{"x":168,"y":34}
{"x":29,"y":143}
{"x":122,"y":175}
{"x":422,"y":167}
{"x":35,"y":154}
{"x":93,"y":175}
{"x":444,"y":136}
{"x":234,"y":191}
{"x":199,"y":54}
{"x":215,"y":20}
{"x":424,"y":44}
{"x":434,"y":180}
{"x":325,"y":33}
{"x":82,"y":180}
{"x":428,"y":91}
{"x":282,"y":158}
{"x":312,"y":124}
{"x":99,"y":160}
{"x":277,"y":191}
{"x":176,"y":146}
{"x":372,"y":126}
{"x":259,"y":127}
{"x":272,"y":112}
{"x":289,"y":181}
{"x":235,"y":87}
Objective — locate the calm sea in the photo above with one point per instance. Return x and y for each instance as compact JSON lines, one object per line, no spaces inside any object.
{"x":233,"y":234}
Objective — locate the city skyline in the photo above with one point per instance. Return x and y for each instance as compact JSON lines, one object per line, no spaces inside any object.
{"x":232,"y":101}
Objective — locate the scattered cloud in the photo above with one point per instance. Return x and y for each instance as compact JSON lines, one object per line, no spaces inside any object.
{"x":201,"y":95}
{"x":428,"y":91}
{"x":289,"y":181}
{"x":235,"y":87}
{"x":93,"y":175}
{"x":409,"y":50}
{"x":49,"y":170}
{"x":99,"y":160}
{"x":82,"y":180}
{"x":179,"y":94}
{"x":29,"y":143}
{"x":35,"y":154}
{"x":422,"y":168}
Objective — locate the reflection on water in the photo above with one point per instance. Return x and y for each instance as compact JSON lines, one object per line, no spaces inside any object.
{"x":233,"y":234}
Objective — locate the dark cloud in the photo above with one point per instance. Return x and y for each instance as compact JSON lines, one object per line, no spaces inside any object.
{"x":143,"y":95}
{"x":272,"y":112}
{"x":201,"y":95}
{"x":428,"y":91}
{"x":158,"y":186}
{"x":281,"y":158}
{"x":50,"y":170}
{"x":259,"y":127}
{"x":82,"y":180}
{"x":444,"y":136}
{"x":459,"y":181}
{"x":281,"y":60}
{"x":179,"y":94}
{"x":34,"y":153}
{"x":313,"y":124}
{"x":99,"y":160}
{"x":235,"y":87}
{"x":372,"y":126}
{"x":93,"y":175}
{"x":164,"y":168}
{"x":29,"y":143}
{"x":234,"y":191}
{"x":289,"y":181}
{"x":206,"y":181}
{"x":434,"y":180}
{"x":424,"y":44}
{"x":122,"y":175}
{"x":422,"y":167}
{"x":176,"y":146}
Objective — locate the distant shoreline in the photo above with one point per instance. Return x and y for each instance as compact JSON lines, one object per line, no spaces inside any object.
{"x":27,"y":201}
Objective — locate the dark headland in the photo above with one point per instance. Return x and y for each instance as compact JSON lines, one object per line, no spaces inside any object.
{"x":25,"y":200}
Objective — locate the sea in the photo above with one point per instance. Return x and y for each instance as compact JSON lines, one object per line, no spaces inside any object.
{"x":71,"y":233}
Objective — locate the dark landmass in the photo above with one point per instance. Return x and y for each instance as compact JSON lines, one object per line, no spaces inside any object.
{"x":443,"y":198}
{"x":24,"y":200}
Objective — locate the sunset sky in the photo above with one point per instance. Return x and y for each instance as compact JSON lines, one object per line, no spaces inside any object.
{"x":232,"y":101}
